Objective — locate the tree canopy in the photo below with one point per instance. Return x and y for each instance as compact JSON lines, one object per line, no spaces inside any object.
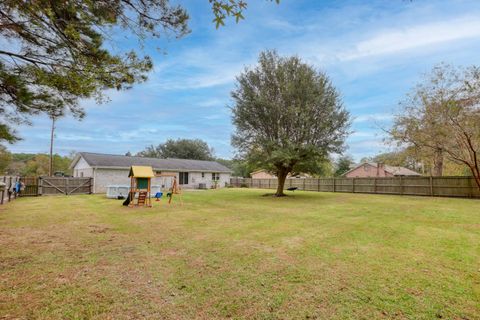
{"x":59,"y":52}
{"x":442,"y":115}
{"x":288,"y":116}
{"x":342,"y":165}
{"x":195,"y":149}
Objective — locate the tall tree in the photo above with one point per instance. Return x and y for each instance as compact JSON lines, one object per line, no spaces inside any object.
{"x":442,"y":116}
{"x":5,"y":159}
{"x":195,"y":149}
{"x":287,"y":116}
{"x":342,"y":165}
{"x":61,"y":51}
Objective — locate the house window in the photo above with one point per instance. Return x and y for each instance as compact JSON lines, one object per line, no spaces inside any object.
{"x":215,"y":176}
{"x":183,"y":177}
{"x":203,"y":174}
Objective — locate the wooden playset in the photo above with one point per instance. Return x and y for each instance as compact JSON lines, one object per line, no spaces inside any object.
{"x":141,"y":183}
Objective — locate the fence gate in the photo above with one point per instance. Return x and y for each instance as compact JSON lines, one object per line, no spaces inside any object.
{"x":65,"y":185}
{"x":31,"y":186}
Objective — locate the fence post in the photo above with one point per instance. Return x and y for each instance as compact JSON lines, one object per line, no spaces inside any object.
{"x":66,"y":186}
{"x":431,"y":186}
{"x":375,"y":185}
{"x":470,"y":192}
{"x":353,"y":185}
{"x":333,"y":184}
{"x":318,"y":184}
{"x":401,"y":185}
{"x":9,"y":186}
{"x":304,"y":183}
{"x":3,"y":192}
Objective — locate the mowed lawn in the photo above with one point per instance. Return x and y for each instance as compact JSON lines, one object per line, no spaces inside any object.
{"x":234,"y":253}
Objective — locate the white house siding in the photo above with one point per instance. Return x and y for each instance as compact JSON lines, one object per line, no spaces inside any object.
{"x":82,"y":169}
{"x":195,"y":178}
{"x":105,"y":177}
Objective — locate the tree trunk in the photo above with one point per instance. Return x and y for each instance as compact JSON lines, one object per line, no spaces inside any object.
{"x":438,"y":163}
{"x":476,"y":174}
{"x":282,"y":176}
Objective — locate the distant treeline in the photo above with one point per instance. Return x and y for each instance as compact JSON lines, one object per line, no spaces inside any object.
{"x":32,"y":164}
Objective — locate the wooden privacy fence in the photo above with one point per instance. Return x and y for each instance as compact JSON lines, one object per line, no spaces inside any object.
{"x":419,"y":186}
{"x":36,"y":186}
{"x":64,"y":185}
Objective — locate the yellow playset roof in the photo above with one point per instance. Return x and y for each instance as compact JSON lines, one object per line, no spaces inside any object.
{"x":141,"y":172}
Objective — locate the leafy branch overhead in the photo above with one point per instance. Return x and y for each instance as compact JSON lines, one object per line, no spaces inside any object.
{"x":59,"y":52}
{"x":229,"y":8}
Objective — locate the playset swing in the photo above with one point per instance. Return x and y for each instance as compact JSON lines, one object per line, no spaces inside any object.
{"x":140,"y":182}
{"x":174,"y":189}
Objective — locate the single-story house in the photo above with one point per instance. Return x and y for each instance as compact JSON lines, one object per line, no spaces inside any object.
{"x":109,"y":169}
{"x":264,"y":174}
{"x":373,"y":169}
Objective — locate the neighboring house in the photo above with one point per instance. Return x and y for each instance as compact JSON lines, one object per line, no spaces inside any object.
{"x":372,"y":169}
{"x":264,"y":174}
{"x":108,"y":169}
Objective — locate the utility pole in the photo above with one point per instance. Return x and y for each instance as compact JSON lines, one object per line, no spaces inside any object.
{"x":50,"y":169}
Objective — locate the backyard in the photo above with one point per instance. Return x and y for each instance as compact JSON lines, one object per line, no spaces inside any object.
{"x":234,"y":253}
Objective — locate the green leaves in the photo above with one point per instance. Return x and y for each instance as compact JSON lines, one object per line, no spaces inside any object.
{"x":222,"y":9}
{"x":287,"y":115}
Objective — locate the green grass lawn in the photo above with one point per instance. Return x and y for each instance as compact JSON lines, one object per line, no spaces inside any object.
{"x":234,"y":254}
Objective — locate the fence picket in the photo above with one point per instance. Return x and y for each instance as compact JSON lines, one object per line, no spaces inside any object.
{"x":461,"y":186}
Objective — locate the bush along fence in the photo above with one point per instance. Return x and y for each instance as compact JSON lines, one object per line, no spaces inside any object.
{"x":464,"y":187}
{"x":36,"y":186}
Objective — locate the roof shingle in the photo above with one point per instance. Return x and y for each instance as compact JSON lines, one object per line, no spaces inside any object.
{"x":100,"y":160}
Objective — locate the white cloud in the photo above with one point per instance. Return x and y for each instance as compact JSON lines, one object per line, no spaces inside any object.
{"x":373,"y":117}
{"x":393,"y":41}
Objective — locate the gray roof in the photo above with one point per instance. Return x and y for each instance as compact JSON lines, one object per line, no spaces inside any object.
{"x":396,"y":171}
{"x":399,"y":171}
{"x":100,"y":160}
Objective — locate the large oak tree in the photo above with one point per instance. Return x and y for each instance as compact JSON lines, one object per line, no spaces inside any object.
{"x":287,"y":115}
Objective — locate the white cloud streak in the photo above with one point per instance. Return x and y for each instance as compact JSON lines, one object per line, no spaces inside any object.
{"x":394,"y":41}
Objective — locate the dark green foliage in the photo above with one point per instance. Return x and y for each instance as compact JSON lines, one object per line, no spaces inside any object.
{"x":60,"y":51}
{"x":195,"y":149}
{"x":240,"y":168}
{"x":342,"y":165}
{"x":288,"y":116}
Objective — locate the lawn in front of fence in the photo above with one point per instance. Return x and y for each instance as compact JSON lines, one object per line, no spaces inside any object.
{"x":233,"y":253}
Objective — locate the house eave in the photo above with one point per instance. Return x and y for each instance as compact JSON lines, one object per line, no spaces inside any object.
{"x":160,"y":169}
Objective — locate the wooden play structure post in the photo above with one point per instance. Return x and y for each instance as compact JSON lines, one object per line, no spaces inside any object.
{"x":141,"y":182}
{"x":174,"y":189}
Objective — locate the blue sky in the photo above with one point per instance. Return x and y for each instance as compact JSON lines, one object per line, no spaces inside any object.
{"x":374,"y":52}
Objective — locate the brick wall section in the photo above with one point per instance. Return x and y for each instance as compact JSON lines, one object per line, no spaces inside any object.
{"x":368,"y":171}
